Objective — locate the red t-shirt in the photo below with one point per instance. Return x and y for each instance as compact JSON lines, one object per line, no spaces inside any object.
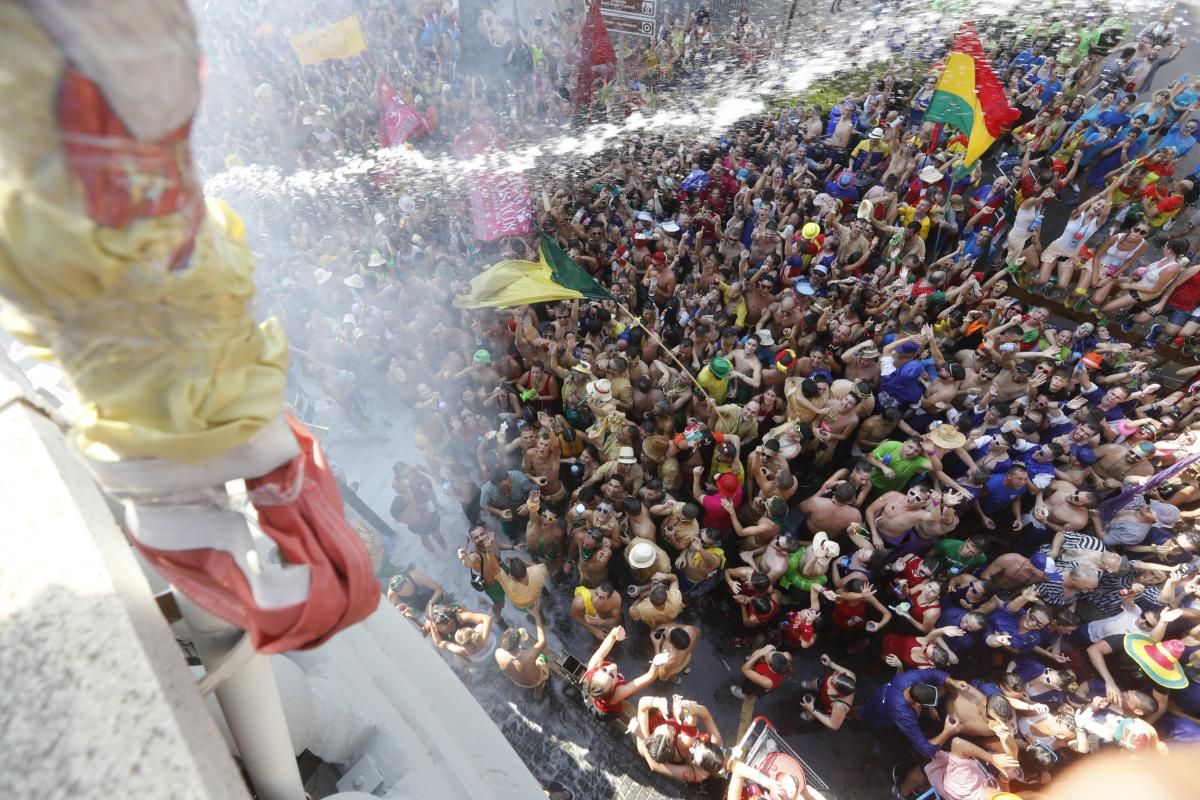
{"x":764,"y":669}
{"x":796,"y":630}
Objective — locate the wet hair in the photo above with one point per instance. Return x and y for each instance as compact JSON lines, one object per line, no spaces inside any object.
{"x":631,"y":505}
{"x":760,"y":581}
{"x":761,"y":604}
{"x":978,"y":616}
{"x":498,"y":475}
{"x":516,"y":568}
{"x":924,"y":693}
{"x":843,"y":684}
{"x":658,"y":594}
{"x":939,"y":657}
{"x":845,"y":492}
{"x":661,"y":746}
{"x":679,"y":638}
{"x":892,"y":414}
{"x":586,"y":494}
{"x":998,"y":706}
{"x":785,"y":479}
{"x":776,"y":508}
{"x":779,"y":663}
{"x":809,"y":388}
{"x":689,"y":511}
{"x":1012,"y":682}
{"x":510,"y":640}
{"x":709,"y":757}
{"x":979,"y":543}
{"x":854,"y":585}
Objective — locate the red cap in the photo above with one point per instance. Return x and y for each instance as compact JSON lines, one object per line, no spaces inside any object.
{"x":727,"y":484}
{"x":1059,"y":166}
{"x":660,"y":257}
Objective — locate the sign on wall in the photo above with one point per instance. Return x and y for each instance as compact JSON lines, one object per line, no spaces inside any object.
{"x":630,"y":17}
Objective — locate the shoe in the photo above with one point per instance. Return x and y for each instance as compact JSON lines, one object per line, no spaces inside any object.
{"x":737,"y":692}
{"x":1153,"y":333}
{"x":1127,"y":324}
{"x":1075,"y":186}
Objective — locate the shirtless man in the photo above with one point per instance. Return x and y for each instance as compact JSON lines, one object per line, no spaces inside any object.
{"x":605,"y":519}
{"x":839,"y":424}
{"x":680,"y":528}
{"x":677,"y":642}
{"x":638,"y":518}
{"x":598,"y":610}
{"x":660,"y":278}
{"x":590,"y":552}
{"x":746,"y":366}
{"x":1065,"y":508}
{"x":862,"y":362}
{"x":833,"y":510}
{"x":526,"y":667}
{"x":1116,"y":462}
{"x":541,"y":463}
{"x":941,"y":393}
{"x":945,"y":521}
{"x":875,"y":430}
{"x":544,"y":536}
{"x":484,"y":558}
{"x":645,"y":397}
{"x":765,"y":528}
{"x":893,"y":518}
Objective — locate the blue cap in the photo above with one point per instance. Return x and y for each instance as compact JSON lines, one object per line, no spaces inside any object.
{"x":888,"y":339}
{"x":1085,"y":454}
{"x":909,"y":348}
{"x":743,"y":173}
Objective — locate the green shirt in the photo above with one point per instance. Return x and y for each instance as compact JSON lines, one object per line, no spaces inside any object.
{"x":905,"y":468}
{"x":950,"y":552}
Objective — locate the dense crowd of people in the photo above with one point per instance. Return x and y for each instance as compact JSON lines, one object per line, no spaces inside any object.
{"x":813,"y":408}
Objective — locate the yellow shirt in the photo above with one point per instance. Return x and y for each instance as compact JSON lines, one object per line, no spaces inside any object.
{"x":717,"y":388}
{"x":907,"y":213}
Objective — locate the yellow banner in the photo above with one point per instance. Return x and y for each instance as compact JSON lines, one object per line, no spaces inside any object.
{"x":342,"y":39}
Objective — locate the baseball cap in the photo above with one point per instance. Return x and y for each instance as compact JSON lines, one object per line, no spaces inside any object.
{"x":483,"y":356}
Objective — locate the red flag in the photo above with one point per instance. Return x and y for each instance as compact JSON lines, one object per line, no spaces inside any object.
{"x":398,"y":121}
{"x":595,"y":50}
{"x":500,"y":202}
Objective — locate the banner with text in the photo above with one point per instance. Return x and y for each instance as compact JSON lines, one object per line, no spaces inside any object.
{"x":500,"y":203}
{"x":342,"y":39}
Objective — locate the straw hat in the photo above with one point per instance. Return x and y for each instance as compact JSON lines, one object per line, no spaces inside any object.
{"x":322,"y":275}
{"x":822,"y":547}
{"x":355,"y":282}
{"x":626,"y":456}
{"x":947,"y":437}
{"x":930,"y":174}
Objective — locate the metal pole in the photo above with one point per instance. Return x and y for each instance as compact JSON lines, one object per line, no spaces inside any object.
{"x":787,"y":30}
{"x":249,"y":699}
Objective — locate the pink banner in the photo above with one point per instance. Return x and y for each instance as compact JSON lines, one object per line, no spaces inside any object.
{"x":500,"y":204}
{"x":398,"y":121}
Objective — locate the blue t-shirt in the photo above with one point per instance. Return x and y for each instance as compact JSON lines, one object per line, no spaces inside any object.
{"x":887,"y":706}
{"x":999,"y":495}
{"x":904,"y":383}
{"x":1004,"y":621}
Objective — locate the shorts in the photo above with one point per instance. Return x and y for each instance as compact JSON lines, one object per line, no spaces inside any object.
{"x":1139,"y":305}
{"x":1054,"y":253}
{"x":1177,"y":316}
{"x":1017,"y":239}
{"x":494,"y":591}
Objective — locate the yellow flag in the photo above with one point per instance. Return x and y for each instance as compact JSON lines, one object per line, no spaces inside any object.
{"x":342,"y":39}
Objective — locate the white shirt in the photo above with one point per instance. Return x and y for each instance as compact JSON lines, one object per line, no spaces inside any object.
{"x":1124,"y":621}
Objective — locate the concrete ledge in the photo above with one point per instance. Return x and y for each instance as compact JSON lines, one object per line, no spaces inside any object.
{"x":97,"y":700}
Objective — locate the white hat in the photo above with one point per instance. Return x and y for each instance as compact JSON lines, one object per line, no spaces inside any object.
{"x":876,"y":133}
{"x":350,"y":319}
{"x":645,"y":216}
{"x":358,"y":334}
{"x":600,"y":390}
{"x":823,"y":547}
{"x":377,"y":260}
{"x":865,"y":209}
{"x":765,"y":338}
{"x":380,"y":218}
{"x":417,"y":240}
{"x":626,"y":456}
{"x":670,"y":226}
{"x":355,"y":282}
{"x":930,"y":174}
{"x":641,"y":554}
{"x":804,"y":287}
{"x":322,"y":275}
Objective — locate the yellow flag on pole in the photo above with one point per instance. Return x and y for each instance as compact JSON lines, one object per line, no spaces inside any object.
{"x":342,"y":39}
